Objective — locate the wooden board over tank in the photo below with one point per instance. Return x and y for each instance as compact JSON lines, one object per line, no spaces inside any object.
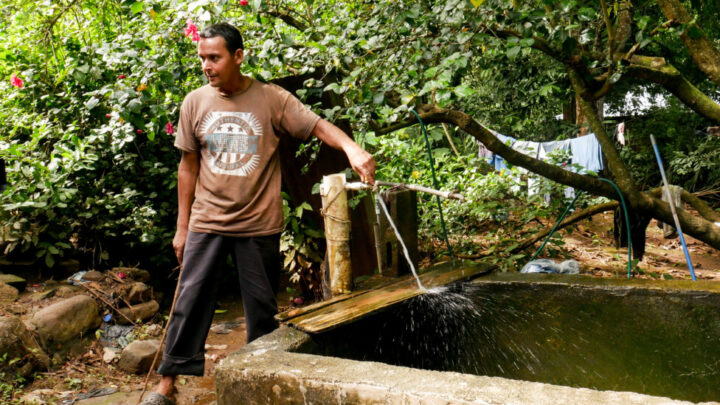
{"x":326,"y":315}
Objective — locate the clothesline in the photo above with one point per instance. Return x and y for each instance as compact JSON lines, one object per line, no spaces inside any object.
{"x":584,"y":151}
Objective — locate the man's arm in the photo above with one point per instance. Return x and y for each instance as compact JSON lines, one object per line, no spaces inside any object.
{"x":361,"y":162}
{"x":187,"y":177}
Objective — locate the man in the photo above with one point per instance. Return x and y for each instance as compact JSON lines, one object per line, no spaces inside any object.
{"x":228,"y":133}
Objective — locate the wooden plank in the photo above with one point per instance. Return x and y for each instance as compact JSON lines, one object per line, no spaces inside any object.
{"x":361,"y":305}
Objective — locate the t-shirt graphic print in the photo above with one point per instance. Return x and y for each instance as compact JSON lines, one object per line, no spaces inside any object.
{"x":232,"y":142}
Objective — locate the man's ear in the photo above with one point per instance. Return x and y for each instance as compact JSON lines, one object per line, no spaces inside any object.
{"x":238,"y":56}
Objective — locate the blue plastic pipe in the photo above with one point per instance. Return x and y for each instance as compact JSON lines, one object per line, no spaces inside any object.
{"x":672,"y":208}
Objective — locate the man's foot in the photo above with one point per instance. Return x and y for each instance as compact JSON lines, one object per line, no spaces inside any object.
{"x":164,"y":393}
{"x":166,"y":387}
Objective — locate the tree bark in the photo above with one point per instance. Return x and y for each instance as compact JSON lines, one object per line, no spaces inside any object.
{"x":701,"y":48}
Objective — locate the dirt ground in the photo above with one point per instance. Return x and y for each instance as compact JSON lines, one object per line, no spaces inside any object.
{"x":591,"y":244}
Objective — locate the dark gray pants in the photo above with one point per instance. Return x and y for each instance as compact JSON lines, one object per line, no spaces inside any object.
{"x":257,"y":260}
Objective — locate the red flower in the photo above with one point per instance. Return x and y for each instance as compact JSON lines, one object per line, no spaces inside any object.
{"x":121,"y":77}
{"x":169,"y":128}
{"x":191,"y":30}
{"x":107,"y":115}
{"x":243,"y":2}
{"x":139,"y":131}
{"x":16,"y":81}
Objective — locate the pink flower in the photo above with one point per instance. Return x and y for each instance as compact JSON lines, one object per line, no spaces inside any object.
{"x":243,"y":2}
{"x":169,"y":128}
{"x":121,"y":275}
{"x":121,"y":77}
{"x":16,"y":81}
{"x":191,"y":30}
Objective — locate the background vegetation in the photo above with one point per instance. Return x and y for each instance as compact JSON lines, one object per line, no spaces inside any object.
{"x":87,"y":136}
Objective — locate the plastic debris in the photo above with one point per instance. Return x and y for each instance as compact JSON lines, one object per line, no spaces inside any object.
{"x":548,"y":266}
{"x":117,"y":335}
{"x":77,"y":278}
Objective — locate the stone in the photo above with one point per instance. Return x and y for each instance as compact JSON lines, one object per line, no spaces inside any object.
{"x":139,"y":292}
{"x":142,"y":311}
{"x":66,"y":291}
{"x":8,"y":294}
{"x":93,"y":275}
{"x":16,"y":342}
{"x":109,"y":355}
{"x":39,"y":296}
{"x":38,"y":397}
{"x":65,"y":320}
{"x":154,"y":330}
{"x":138,"y":356}
{"x":18,"y":282}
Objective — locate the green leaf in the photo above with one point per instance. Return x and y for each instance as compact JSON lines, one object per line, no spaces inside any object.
{"x":220,"y":311}
{"x":49,"y":261}
{"x":513,"y":52}
{"x":137,"y":7}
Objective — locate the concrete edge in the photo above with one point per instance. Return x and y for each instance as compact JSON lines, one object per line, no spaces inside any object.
{"x":269,"y":371}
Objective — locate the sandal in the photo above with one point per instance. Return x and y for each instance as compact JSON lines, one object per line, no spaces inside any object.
{"x":157,"y":399}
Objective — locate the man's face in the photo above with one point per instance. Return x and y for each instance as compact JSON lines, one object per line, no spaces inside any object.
{"x":219,"y":66}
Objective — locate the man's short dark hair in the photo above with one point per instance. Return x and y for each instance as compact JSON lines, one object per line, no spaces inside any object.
{"x":232,"y":36}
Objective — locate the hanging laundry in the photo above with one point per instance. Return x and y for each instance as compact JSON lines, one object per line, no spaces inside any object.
{"x":586,"y":152}
{"x":620,"y":134}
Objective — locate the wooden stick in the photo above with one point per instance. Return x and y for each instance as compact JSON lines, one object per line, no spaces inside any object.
{"x":162,"y":339}
{"x":98,"y":296}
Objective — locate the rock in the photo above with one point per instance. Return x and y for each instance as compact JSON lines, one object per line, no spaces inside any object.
{"x":93,"y":275}
{"x":154,"y":330}
{"x":109,"y":355}
{"x":70,"y":265}
{"x":138,"y":356}
{"x":8,"y":294}
{"x":39,"y":296}
{"x":139,"y":292}
{"x":140,"y":311}
{"x":66,"y":291}
{"x":17,"y":343}
{"x":65,"y":320}
{"x":134,"y":273}
{"x":37,"y":397}
{"x":17,"y":309}
{"x":18,"y":282}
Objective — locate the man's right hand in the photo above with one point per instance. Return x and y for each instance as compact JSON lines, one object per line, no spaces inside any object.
{"x":179,"y":244}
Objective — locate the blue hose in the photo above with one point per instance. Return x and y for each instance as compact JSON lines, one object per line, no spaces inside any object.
{"x":672,"y":208}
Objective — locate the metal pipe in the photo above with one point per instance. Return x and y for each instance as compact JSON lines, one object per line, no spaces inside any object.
{"x":415,"y":187}
{"x":672,"y":207}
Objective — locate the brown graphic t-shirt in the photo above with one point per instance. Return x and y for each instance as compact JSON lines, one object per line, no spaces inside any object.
{"x":238,"y":187}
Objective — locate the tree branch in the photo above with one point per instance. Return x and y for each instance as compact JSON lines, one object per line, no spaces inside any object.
{"x":434,"y":115}
{"x":701,"y":48}
{"x":656,"y":70}
{"x":529,"y":241}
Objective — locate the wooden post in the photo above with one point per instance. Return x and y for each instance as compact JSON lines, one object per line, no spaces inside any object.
{"x":337,"y":233}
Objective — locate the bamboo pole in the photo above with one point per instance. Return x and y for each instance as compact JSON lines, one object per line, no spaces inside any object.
{"x":337,"y":232}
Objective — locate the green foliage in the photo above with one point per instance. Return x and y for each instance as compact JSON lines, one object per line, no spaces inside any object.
{"x":299,"y":245}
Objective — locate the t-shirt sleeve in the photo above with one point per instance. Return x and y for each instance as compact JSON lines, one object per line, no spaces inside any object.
{"x":185,"y":138}
{"x":295,"y":118}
